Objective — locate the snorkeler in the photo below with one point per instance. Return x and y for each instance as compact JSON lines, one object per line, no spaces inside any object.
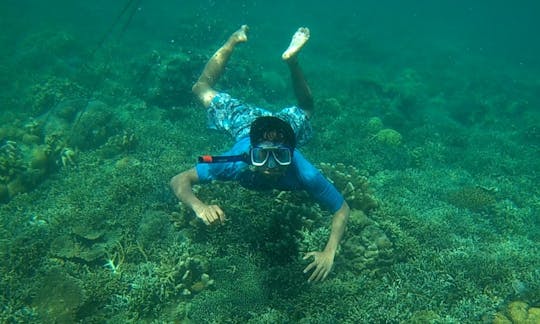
{"x":265,"y":154}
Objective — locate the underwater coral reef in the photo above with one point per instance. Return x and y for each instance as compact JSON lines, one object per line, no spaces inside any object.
{"x":439,"y":161}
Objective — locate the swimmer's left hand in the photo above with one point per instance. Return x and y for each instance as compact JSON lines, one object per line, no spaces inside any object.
{"x":322,"y":262}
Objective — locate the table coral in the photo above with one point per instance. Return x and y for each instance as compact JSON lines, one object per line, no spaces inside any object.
{"x":59,"y":297}
{"x":474,"y":198}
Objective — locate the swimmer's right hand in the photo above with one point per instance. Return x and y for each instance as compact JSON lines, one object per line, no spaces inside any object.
{"x":210,"y":214}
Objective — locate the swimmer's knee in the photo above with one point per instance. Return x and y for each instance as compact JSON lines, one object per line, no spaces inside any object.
{"x":207,"y":97}
{"x":204,"y":93}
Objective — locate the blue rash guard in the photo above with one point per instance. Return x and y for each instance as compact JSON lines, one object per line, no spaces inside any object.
{"x":300,"y":175}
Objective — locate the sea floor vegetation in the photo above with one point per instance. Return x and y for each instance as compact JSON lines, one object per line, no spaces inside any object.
{"x":441,"y":173}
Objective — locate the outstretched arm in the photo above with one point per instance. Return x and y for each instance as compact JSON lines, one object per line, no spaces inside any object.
{"x":182,"y":186}
{"x":324,"y":260}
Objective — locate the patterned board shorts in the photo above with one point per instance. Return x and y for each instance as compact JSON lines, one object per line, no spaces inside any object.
{"x":235,"y":117}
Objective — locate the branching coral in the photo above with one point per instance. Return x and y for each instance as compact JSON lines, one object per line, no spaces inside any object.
{"x":56,"y":147}
{"x":353,"y":185}
{"x":116,"y":259}
{"x":124,"y":142}
{"x":67,"y":157}
{"x":185,"y":275}
{"x":268,"y":222}
{"x":11,"y":161}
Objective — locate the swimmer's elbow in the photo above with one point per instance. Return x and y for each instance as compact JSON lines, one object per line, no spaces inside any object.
{"x":174,"y":182}
{"x":188,"y":177}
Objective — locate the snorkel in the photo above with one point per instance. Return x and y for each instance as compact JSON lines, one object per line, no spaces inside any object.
{"x":224,"y":158}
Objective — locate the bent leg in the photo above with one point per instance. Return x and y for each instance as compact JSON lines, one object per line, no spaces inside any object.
{"x":300,"y":86}
{"x":203,"y":88}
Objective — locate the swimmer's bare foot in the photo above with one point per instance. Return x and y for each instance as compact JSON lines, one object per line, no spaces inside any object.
{"x":239,"y":36}
{"x":298,"y":41}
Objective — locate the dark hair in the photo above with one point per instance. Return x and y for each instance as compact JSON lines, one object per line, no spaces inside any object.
{"x":272,"y":129}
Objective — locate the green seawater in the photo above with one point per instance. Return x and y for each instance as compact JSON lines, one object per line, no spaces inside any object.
{"x":427,"y":118}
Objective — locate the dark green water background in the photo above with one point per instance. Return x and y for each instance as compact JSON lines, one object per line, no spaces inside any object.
{"x":456,"y":81}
